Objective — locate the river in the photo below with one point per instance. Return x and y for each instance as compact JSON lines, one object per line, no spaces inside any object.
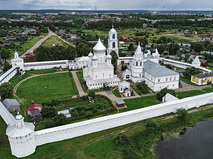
{"x":195,"y":143}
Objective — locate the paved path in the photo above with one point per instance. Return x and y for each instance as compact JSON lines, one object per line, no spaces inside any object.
{"x":42,"y":40}
{"x":78,"y":84}
{"x":188,"y":87}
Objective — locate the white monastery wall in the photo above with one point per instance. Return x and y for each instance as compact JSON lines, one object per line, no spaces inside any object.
{"x":111,"y":121}
{"x":8,"y":75}
{"x":182,"y":64}
{"x":45,"y":65}
{"x":6,"y":115}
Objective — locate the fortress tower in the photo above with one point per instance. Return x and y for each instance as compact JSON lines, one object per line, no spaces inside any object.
{"x":21,"y":137}
{"x":17,"y":61}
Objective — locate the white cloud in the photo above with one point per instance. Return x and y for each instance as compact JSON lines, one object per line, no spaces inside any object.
{"x":107,"y":4}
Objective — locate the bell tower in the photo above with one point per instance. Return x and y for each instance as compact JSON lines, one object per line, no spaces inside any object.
{"x":113,"y":42}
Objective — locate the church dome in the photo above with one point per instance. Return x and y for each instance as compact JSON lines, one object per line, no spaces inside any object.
{"x":90,"y":54}
{"x":19,"y":117}
{"x":94,"y":58}
{"x":109,"y":56}
{"x":99,"y":46}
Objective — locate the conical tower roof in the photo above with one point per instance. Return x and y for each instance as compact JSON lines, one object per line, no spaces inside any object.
{"x":99,"y":46}
{"x":138,"y":51}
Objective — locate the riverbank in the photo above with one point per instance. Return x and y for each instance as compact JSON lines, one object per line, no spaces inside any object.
{"x":101,"y":145}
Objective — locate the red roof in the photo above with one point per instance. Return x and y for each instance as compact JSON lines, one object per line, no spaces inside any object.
{"x":31,"y":54}
{"x":124,"y":37}
{"x":34,"y":107}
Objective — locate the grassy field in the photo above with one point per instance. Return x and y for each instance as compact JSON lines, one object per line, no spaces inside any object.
{"x":26,"y":46}
{"x":116,"y":93}
{"x":190,"y":93}
{"x":48,"y":87}
{"x":140,"y":102}
{"x":54,"y":40}
{"x":18,"y":78}
{"x":188,"y":81}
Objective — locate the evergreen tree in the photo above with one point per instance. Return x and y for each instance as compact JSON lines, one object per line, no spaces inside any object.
{"x":114,"y":60}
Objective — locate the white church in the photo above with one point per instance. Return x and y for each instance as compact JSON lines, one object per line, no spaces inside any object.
{"x":100,"y":72}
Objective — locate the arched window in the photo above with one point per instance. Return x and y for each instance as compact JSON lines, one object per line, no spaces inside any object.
{"x":136,"y":63}
{"x":113,"y":36}
{"x":113,"y":44}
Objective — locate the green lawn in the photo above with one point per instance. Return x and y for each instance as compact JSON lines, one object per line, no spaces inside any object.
{"x":188,"y":81}
{"x":18,"y":78}
{"x":116,"y":93}
{"x":141,"y":102}
{"x":190,"y":93}
{"x":80,"y":76}
{"x":47,"y":87}
{"x":54,"y":40}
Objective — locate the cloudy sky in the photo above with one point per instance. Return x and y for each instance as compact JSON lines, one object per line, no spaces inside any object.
{"x":108,"y":4}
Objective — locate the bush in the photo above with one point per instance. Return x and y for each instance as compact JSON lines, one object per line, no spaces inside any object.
{"x":163,"y":92}
{"x":48,"y":111}
{"x":91,"y":93}
{"x":89,"y":114}
{"x":152,"y":126}
{"x":121,"y":139}
{"x":182,"y":114}
{"x":60,"y":119}
{"x":6,"y":90}
{"x":49,"y":123}
{"x":142,"y":86}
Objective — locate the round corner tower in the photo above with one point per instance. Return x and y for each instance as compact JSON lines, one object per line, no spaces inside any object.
{"x":21,"y":137}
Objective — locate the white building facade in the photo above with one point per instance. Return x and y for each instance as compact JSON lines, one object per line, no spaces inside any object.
{"x":145,"y":67}
{"x":100,"y":72}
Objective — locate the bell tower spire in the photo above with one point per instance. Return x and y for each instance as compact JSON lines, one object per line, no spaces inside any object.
{"x":113,"y":41}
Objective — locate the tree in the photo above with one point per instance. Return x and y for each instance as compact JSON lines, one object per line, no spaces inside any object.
{"x":48,"y":111}
{"x":60,"y":119}
{"x":190,"y":71}
{"x":152,"y":126}
{"x":82,"y":49}
{"x":114,"y":60}
{"x":6,"y":66}
{"x":91,"y":93}
{"x":6,"y":90}
{"x":49,"y":123}
{"x":71,"y":53}
{"x":4,"y":53}
{"x":182,"y":114}
{"x":131,"y":47}
{"x":142,"y":86}
{"x":163,"y":92}
{"x":121,"y":139}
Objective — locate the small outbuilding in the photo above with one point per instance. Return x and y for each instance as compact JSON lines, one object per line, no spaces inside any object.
{"x":124,"y":87}
{"x":36,"y":115}
{"x":34,"y":107}
{"x":12,"y":105}
{"x":120,"y":103}
{"x":168,"y":98}
{"x":65,"y":112}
